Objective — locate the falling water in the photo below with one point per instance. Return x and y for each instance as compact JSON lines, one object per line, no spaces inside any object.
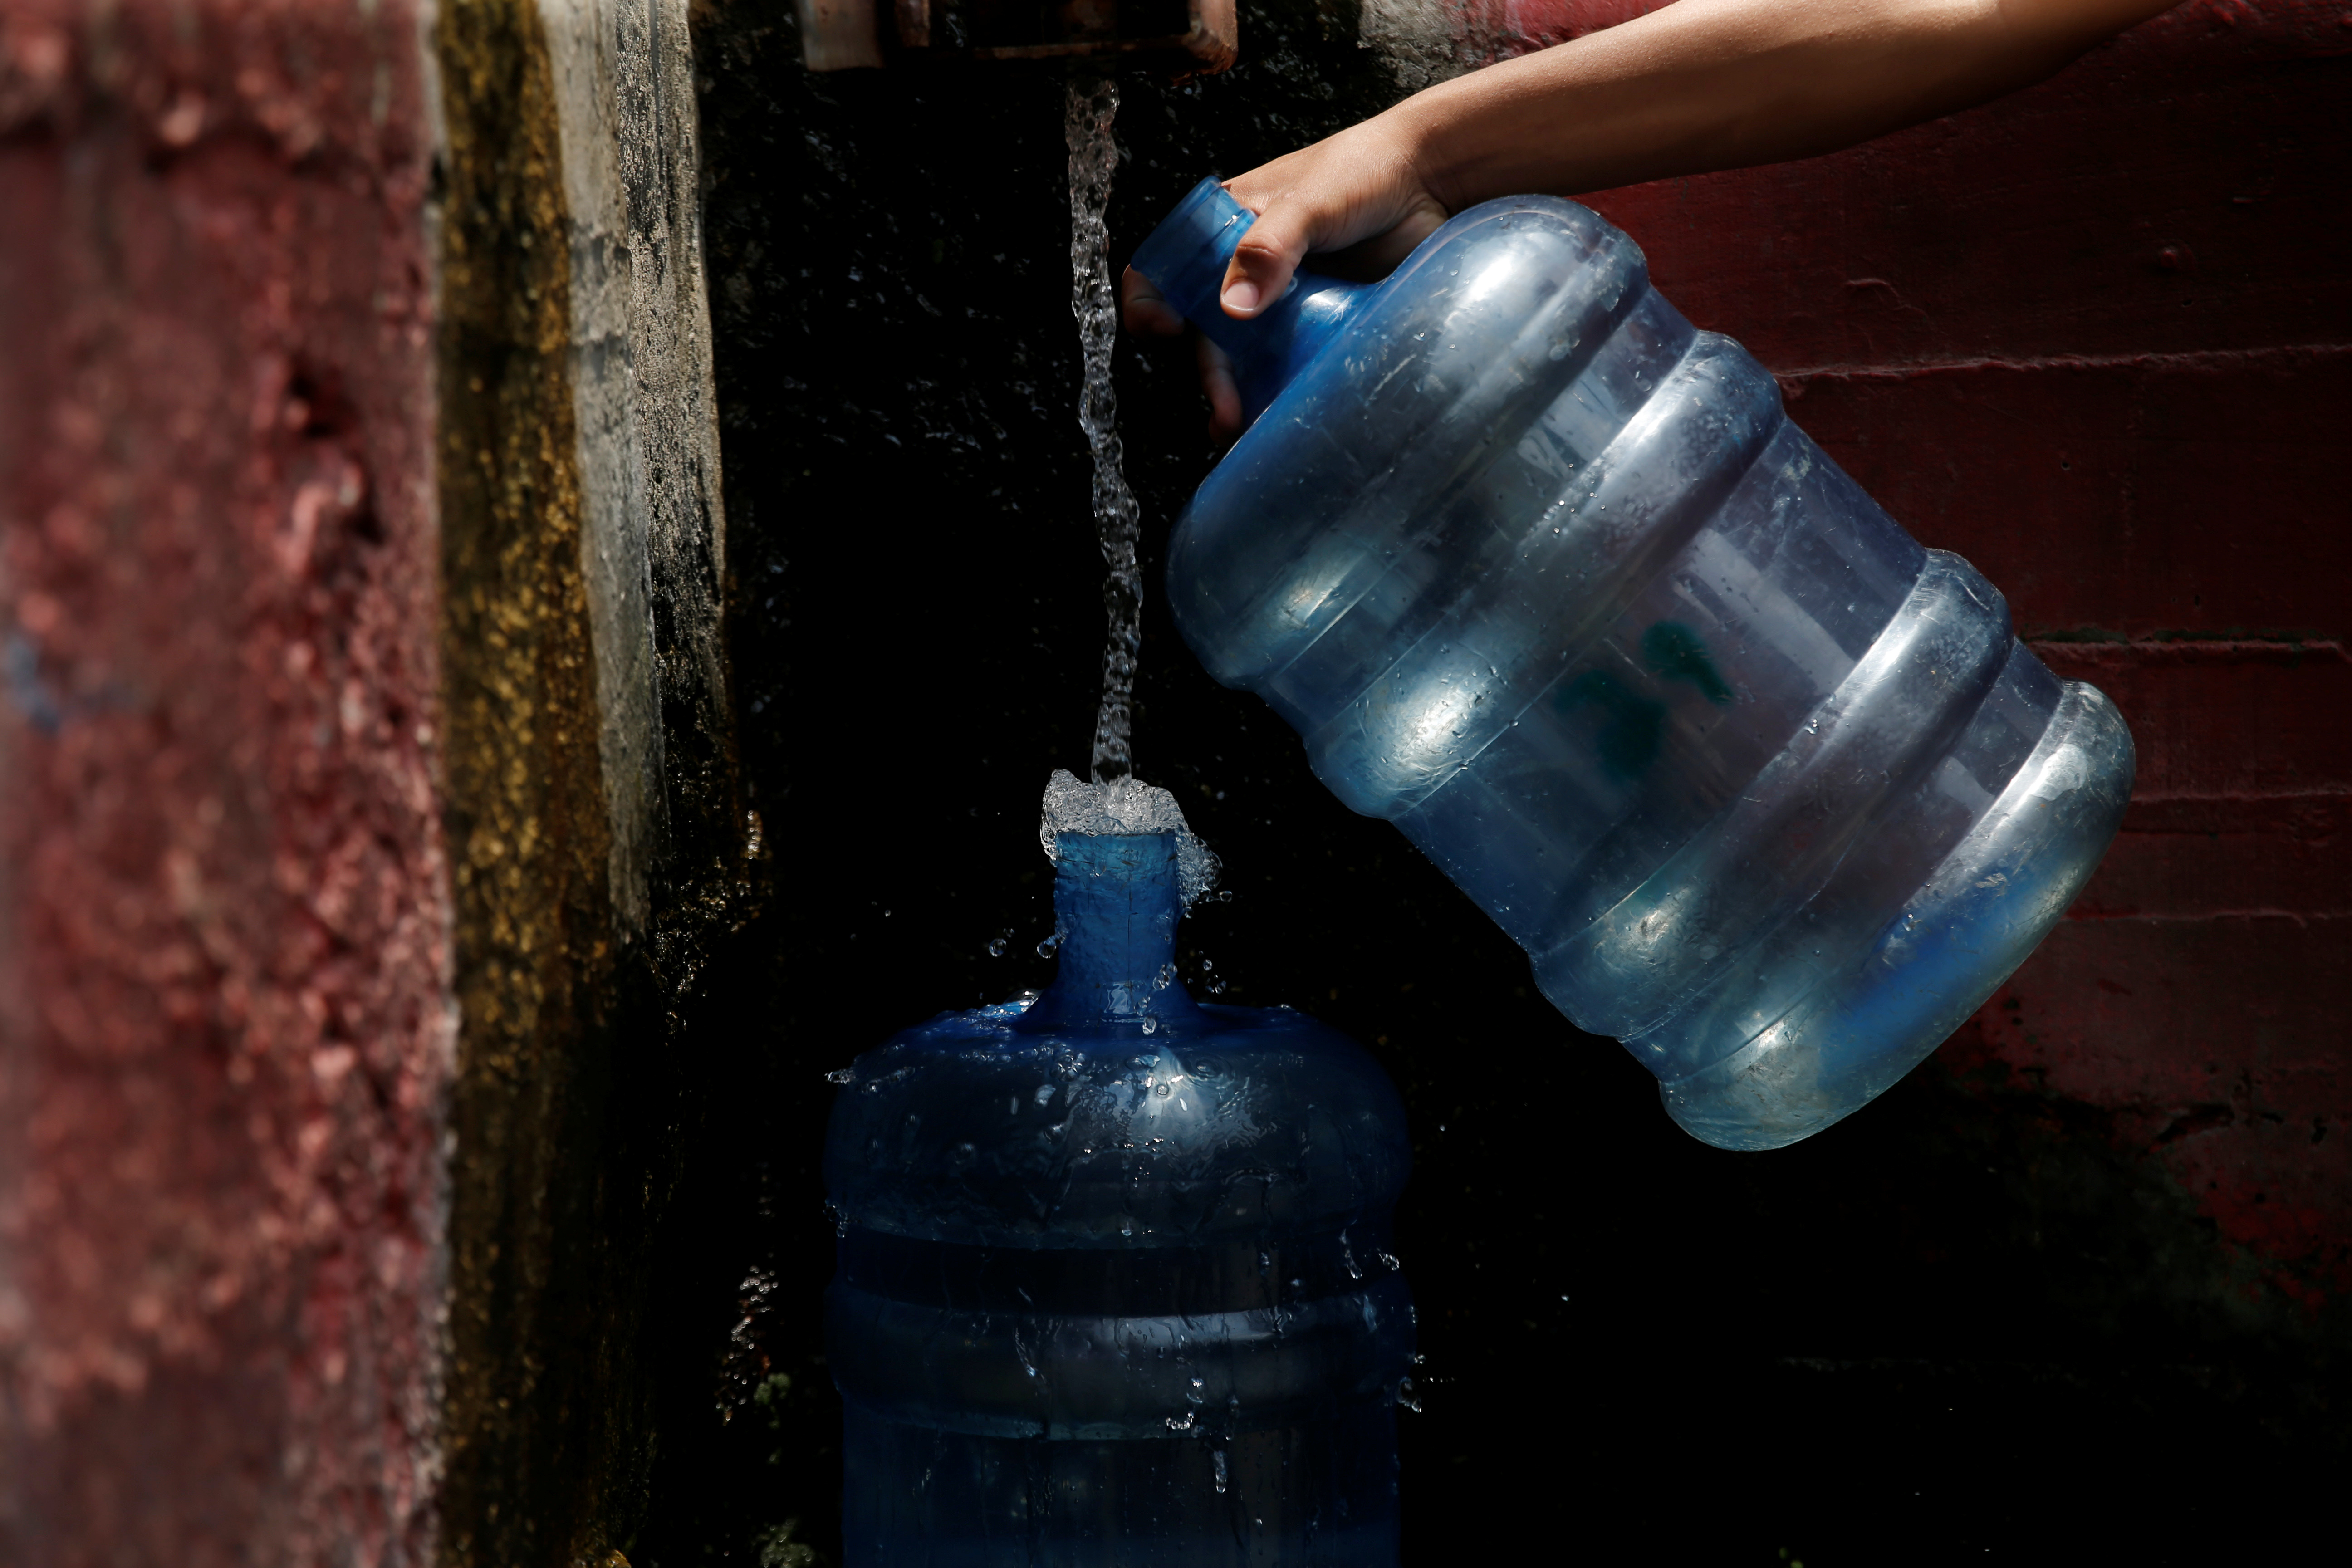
{"x":1093,"y":104}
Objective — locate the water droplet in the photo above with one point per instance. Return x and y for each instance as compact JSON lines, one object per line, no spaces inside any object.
{"x":838,"y":1075}
{"x":1184,"y":1425}
{"x":1045,"y":948}
{"x":1089,"y":108}
{"x":1152,"y":1026}
{"x":1158,"y":1090}
{"x":1044,"y":1092}
{"x":996,"y":947}
{"x":1219,"y":1458}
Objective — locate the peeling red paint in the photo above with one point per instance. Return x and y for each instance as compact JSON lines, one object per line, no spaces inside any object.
{"x":227,"y":1030}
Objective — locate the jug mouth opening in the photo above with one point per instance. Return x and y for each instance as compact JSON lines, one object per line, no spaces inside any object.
{"x":1075,"y":812}
{"x":1117,"y":899}
{"x":1187,"y":254}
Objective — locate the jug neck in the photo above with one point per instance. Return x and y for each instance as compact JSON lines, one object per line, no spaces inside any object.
{"x":1186,"y":257}
{"x":1116,"y":900}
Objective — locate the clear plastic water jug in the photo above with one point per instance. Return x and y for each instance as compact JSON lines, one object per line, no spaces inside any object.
{"x":1114,"y":1288}
{"x":1545,"y":577}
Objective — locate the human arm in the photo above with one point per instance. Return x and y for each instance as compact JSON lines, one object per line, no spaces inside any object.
{"x":1695,"y":86}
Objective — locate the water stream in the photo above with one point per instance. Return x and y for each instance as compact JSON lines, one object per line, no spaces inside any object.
{"x":1093,"y":104}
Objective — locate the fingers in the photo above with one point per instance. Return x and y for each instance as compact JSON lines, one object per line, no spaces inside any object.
{"x":1223,"y":394}
{"x":1263,"y":264}
{"x":1351,"y":187}
{"x":1370,"y":261}
{"x":1359,"y":189}
{"x":1144,"y":309}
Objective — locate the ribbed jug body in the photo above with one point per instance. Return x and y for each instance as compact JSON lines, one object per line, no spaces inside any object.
{"x":1548,"y":578}
{"x":1114,"y":1286}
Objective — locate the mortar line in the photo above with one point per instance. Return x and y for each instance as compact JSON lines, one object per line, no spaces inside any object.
{"x":2191,"y":359}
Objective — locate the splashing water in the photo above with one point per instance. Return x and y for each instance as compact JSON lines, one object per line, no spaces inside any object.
{"x":1125,"y":805}
{"x":1092,"y":105}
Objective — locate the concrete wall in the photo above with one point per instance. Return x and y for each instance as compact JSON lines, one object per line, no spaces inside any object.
{"x":228,"y":1035}
{"x":596,"y":843}
{"x":365,"y":770}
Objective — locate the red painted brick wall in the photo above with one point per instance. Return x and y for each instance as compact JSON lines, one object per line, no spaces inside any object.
{"x":2098,"y":338}
{"x":226,"y":1031}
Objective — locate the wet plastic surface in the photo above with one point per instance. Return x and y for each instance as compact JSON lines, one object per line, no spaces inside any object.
{"x":1114,"y":1282}
{"x":1944,"y":1304}
{"x":1545,"y":577}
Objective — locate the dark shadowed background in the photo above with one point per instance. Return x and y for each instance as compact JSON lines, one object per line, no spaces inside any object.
{"x":1985,"y":1317}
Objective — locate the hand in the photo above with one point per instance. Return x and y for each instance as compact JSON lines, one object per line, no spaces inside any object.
{"x":1147,"y":311}
{"x":1699,"y":85}
{"x":1357,"y":200}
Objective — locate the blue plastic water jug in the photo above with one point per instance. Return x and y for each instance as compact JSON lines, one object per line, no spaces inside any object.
{"x":1545,"y":577}
{"x":1114,"y":1288}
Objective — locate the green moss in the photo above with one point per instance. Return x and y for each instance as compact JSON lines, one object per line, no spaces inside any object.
{"x":535,"y":1349}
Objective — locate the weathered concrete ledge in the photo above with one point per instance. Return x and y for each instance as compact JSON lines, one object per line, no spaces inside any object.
{"x":366,"y":781}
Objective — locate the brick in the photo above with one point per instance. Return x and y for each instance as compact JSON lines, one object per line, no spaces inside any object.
{"x":2153,"y":497}
{"x":2185,"y":858}
{"x":2218,"y":1045}
{"x":2226,"y":721}
{"x":2179,"y":189}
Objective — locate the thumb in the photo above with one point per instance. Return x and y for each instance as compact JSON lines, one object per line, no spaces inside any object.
{"x":1266,"y":258}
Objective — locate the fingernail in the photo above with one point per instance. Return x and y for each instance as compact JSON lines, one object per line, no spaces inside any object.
{"x":1241,"y":296}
